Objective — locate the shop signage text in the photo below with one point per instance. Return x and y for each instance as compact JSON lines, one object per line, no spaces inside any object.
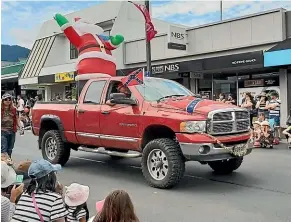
{"x":165,"y":68}
{"x":254,"y":83}
{"x":177,"y":38}
{"x":64,"y":77}
{"x":244,"y":61}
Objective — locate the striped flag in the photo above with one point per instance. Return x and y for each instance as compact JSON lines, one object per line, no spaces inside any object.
{"x":150,"y":29}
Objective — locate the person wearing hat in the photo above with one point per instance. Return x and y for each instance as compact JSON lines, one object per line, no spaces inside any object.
{"x":76,"y":196}
{"x":120,"y":89}
{"x":9,"y":124}
{"x":274,"y":115}
{"x":262,"y":103}
{"x":267,"y":137}
{"x":256,"y":134}
{"x":41,"y":201}
{"x":8,"y":177}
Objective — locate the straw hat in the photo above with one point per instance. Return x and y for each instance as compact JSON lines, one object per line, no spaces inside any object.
{"x":265,"y":123}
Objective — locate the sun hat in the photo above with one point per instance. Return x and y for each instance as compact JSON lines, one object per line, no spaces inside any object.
{"x":41,"y":168}
{"x":99,"y":205}
{"x":6,"y":95}
{"x":76,"y":194}
{"x":8,"y":175}
{"x":265,"y":123}
{"x":257,"y":122}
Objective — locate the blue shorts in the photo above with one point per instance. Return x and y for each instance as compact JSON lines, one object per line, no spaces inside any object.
{"x":274,"y":121}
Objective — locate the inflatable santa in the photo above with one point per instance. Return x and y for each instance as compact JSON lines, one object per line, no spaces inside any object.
{"x":95,"y":58}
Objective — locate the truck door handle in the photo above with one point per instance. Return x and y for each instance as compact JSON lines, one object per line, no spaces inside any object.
{"x":81,"y":111}
{"x":105,"y":112}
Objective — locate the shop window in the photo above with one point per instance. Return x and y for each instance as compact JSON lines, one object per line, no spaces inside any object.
{"x":225,"y":84}
{"x":73,"y":52}
{"x":205,"y":86}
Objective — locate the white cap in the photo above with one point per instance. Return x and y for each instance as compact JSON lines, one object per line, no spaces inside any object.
{"x":76,"y":194}
{"x":8,"y":175}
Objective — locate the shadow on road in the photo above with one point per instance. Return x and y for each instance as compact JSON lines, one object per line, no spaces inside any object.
{"x":108,"y":169}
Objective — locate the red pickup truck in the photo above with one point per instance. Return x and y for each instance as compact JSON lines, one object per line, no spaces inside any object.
{"x":160,"y":121}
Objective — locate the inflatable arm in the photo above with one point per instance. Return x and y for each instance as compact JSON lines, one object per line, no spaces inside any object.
{"x":68,"y":29}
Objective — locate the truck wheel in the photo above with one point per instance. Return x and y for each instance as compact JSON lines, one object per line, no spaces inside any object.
{"x":54,"y":149}
{"x":226,"y":166}
{"x":162,"y":163}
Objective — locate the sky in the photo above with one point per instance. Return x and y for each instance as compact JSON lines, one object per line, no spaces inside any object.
{"x":21,"y":20}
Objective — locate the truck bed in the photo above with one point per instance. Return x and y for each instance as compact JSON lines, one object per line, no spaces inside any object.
{"x":64,"y":111}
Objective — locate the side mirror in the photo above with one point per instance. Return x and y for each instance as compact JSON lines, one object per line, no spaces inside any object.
{"x":120,"y":98}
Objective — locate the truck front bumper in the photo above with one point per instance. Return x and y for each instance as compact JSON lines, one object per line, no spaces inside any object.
{"x":209,"y":152}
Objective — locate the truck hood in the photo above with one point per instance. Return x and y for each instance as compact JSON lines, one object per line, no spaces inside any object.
{"x":189,"y":105}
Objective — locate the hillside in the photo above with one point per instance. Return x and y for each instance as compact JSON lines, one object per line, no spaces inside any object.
{"x":12,"y":53}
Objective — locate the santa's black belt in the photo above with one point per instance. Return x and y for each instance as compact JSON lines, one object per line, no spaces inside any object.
{"x":89,"y":46}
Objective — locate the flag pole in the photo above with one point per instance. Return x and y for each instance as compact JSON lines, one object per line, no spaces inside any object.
{"x":148,"y":44}
{"x":221,"y":10}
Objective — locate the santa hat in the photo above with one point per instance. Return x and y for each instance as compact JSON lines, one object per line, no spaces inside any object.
{"x":82,"y":25}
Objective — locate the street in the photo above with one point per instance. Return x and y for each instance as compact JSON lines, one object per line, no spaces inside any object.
{"x":258,"y":191}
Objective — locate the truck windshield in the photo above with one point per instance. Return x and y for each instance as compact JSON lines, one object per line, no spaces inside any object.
{"x":155,"y":89}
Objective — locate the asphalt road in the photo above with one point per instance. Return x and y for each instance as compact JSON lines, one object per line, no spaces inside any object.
{"x":260,"y":190}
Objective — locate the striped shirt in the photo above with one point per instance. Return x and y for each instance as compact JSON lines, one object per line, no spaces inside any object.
{"x":80,"y":214}
{"x":276,"y":111}
{"x":51,"y":207}
{"x":7,"y":209}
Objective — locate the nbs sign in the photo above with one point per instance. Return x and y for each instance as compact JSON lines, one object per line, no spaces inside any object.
{"x":165,"y":68}
{"x":177,"y":38}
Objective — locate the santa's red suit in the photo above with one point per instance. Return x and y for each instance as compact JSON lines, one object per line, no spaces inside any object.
{"x":95,"y":58}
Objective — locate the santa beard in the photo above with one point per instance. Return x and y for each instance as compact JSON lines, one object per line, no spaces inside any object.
{"x":84,"y":28}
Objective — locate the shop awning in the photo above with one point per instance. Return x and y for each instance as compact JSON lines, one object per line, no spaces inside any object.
{"x":279,"y":55}
{"x":286,"y":44}
{"x":37,"y":57}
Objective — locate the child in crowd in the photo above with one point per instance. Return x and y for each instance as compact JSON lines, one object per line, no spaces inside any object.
{"x":256,"y":134}
{"x":76,"y":196}
{"x":267,"y":137}
{"x":117,"y":207}
{"x":261,"y":117}
{"x":287,"y":133}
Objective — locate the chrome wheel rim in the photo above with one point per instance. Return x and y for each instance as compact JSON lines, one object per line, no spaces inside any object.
{"x":157,"y":164}
{"x":51,"y":148}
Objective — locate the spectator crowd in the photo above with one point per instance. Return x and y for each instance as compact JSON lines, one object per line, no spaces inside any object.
{"x":40,"y":197}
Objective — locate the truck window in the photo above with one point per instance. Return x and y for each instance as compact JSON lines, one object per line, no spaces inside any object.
{"x":93,"y":94}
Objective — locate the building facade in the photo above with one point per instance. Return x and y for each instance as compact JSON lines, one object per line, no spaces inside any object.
{"x":224,"y":57}
{"x":53,"y":56}
{"x":9,"y":78}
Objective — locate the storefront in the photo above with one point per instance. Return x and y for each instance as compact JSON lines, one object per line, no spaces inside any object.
{"x":231,"y":74}
{"x":9,"y":78}
{"x":60,"y":85}
{"x":279,"y":57}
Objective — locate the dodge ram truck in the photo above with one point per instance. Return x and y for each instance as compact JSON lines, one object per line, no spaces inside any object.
{"x":160,"y":121}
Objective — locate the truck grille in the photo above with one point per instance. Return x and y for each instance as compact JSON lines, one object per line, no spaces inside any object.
{"x":229,"y":122}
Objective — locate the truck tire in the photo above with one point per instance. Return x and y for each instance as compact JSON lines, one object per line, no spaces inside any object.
{"x":162,"y":163}
{"x":226,"y":166}
{"x":54,"y":149}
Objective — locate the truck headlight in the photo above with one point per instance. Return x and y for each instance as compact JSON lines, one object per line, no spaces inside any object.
{"x":193,"y":126}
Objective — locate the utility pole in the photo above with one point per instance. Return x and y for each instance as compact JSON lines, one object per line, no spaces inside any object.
{"x":220,"y":10}
{"x":148,"y":44}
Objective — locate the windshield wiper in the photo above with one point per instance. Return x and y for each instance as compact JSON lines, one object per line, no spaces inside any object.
{"x":165,"y":97}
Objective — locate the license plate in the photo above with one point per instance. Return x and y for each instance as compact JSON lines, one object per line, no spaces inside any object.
{"x":239,"y":148}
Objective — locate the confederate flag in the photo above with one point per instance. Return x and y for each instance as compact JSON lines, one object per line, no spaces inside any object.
{"x":150,"y":29}
{"x":134,"y":78}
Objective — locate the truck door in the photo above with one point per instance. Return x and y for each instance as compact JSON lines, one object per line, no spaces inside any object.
{"x":119,"y":124}
{"x":87,"y":115}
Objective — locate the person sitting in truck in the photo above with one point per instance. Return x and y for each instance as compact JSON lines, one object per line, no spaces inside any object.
{"x":119,"y":88}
